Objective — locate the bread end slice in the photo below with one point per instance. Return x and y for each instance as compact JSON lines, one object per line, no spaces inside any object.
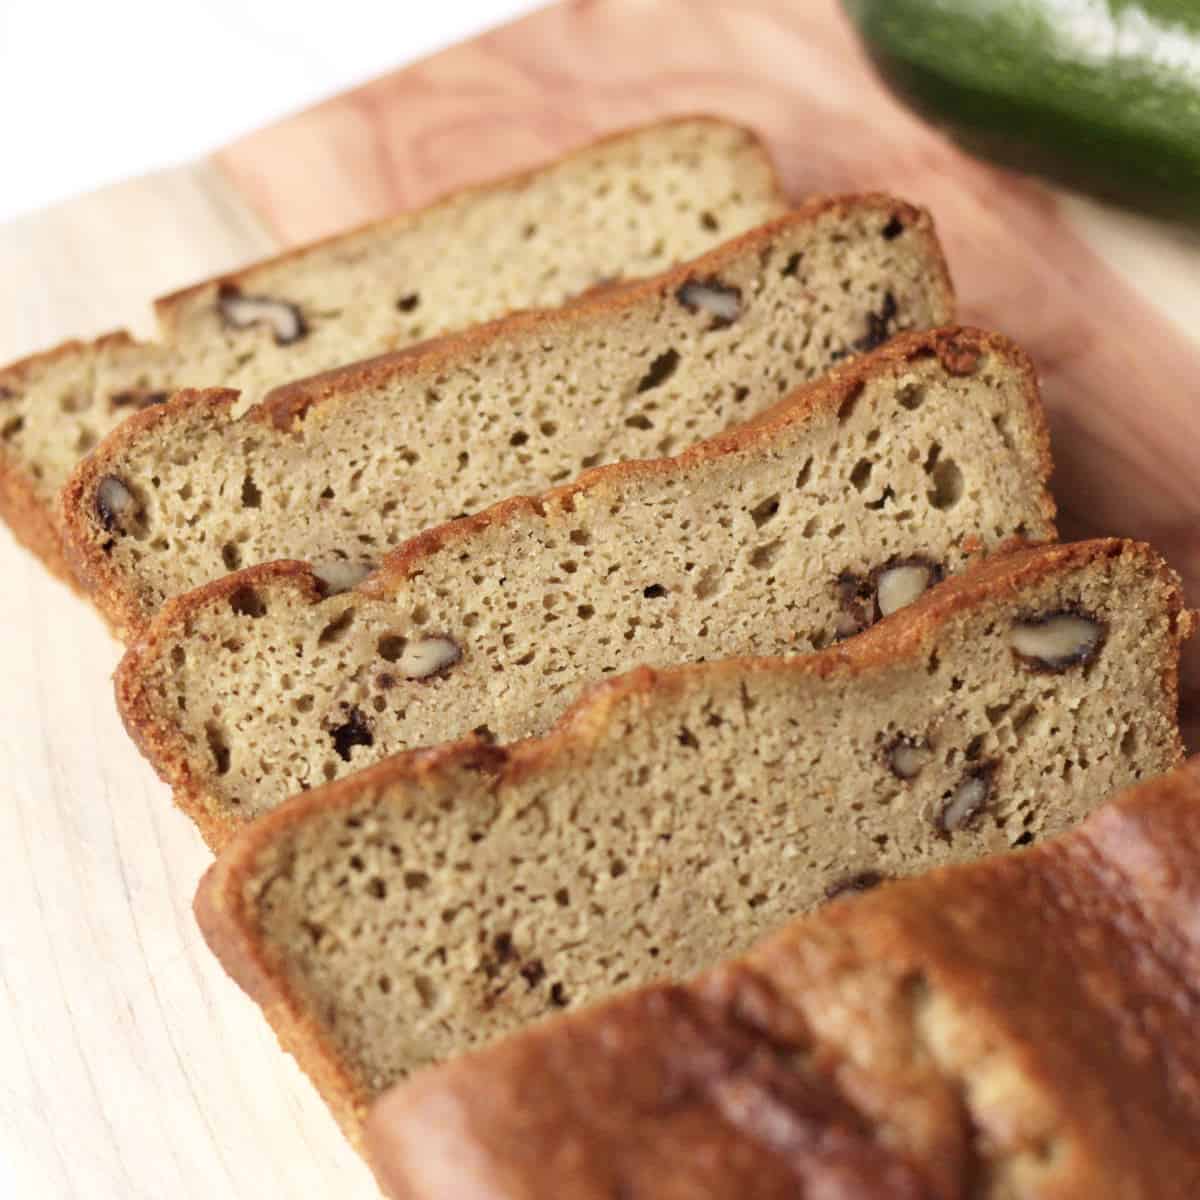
{"x":1019,"y":1026}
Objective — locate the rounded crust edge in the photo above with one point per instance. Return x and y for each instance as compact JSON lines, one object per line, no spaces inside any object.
{"x":220,"y":911}
{"x":162,"y":744}
{"x":83,"y":551}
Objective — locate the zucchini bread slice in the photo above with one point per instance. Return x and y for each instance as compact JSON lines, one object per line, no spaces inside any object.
{"x":442,"y":898}
{"x":345,"y":466}
{"x":848,"y":501}
{"x":630,"y":204}
{"x":1022,"y":1026}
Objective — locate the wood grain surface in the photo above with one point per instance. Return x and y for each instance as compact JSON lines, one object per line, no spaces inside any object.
{"x":129,"y":1066}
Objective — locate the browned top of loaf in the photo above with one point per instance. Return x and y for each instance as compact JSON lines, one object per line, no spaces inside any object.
{"x":1025,"y":1025}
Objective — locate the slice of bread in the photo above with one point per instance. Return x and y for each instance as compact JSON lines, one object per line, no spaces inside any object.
{"x":632,"y":204}
{"x":1024,"y":1026}
{"x":341,"y":468}
{"x":442,"y":898}
{"x":853,"y":497}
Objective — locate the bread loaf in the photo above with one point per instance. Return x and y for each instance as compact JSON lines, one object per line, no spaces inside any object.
{"x":339,"y":469}
{"x":850,"y":499}
{"x":1024,"y":1026}
{"x":440,"y":899}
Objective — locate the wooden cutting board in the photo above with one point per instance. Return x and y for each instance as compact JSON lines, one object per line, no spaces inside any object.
{"x":129,"y":1066}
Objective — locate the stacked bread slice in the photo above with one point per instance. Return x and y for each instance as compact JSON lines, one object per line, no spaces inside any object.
{"x":807,"y":560}
{"x":337,"y":470}
{"x":628,"y":206}
{"x":1023,"y":1026}
{"x":853,"y":497}
{"x":441,"y":898}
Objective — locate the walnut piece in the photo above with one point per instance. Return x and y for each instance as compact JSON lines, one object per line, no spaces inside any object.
{"x":907,"y":757}
{"x":428,"y":656}
{"x":1057,"y":640}
{"x":856,"y":597}
{"x":897,"y":582}
{"x":901,"y":584}
{"x":864,"y":881}
{"x":115,"y":504}
{"x":721,"y":301}
{"x":285,"y":319}
{"x":354,"y":731}
{"x":967,"y":800}
{"x":336,"y":575}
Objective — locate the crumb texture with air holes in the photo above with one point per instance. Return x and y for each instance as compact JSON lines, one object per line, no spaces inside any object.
{"x":341,"y":469}
{"x":629,"y":206}
{"x":996,"y":998}
{"x":423,"y":908}
{"x":742,"y":546}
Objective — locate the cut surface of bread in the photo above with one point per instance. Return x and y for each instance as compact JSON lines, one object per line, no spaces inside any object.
{"x":849,"y":500}
{"x":1026,"y":1026}
{"x":632,"y":204}
{"x":340,"y":468}
{"x":442,"y":898}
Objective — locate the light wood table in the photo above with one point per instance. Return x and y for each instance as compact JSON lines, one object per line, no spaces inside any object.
{"x":129,"y":1066}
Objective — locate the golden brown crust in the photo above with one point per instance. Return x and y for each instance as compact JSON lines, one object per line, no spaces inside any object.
{"x":1076,"y":964}
{"x":676,"y":1092}
{"x":38,"y":525}
{"x":1038,"y":1010}
{"x":31,"y":522}
{"x":90,"y":567}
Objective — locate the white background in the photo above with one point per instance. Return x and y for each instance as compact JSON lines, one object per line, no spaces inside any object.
{"x":95,"y":91}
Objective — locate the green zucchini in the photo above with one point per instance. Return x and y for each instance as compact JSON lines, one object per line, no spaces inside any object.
{"x":1098,"y":94}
